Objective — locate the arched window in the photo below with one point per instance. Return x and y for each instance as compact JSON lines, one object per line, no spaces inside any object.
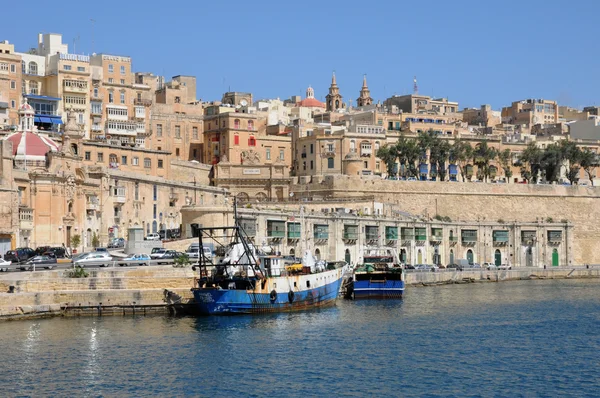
{"x":23,"y":67}
{"x":236,"y":124}
{"x":74,"y":149}
{"x":250,"y":124}
{"x":70,"y":207}
{"x":154,"y":226}
{"x":337,"y":104}
{"x":33,"y":69}
{"x":352,"y":146}
{"x":376,"y":145}
{"x":318,"y":254}
{"x":251,"y":141}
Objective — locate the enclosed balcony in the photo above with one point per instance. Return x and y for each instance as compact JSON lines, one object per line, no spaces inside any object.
{"x":75,"y":86}
{"x":275,"y":229}
{"x":25,"y":218}
{"x":321,"y":233}
{"x":140,"y":112}
{"x":350,"y":234}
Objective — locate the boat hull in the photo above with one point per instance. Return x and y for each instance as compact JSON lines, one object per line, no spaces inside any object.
{"x":386,"y":289}
{"x":213,"y":301}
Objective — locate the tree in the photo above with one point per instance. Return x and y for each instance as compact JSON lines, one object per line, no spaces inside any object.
{"x":461,"y":154}
{"x":531,"y":155}
{"x":482,"y":156}
{"x":440,"y":154}
{"x":505,"y":158}
{"x":95,"y":240}
{"x":571,"y":153}
{"x":588,"y":161}
{"x":75,"y":241}
{"x":389,"y":154}
{"x":551,"y":162}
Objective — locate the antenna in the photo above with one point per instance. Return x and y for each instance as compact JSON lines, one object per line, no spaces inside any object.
{"x":415,"y":86}
{"x":93,"y":21}
{"x":75,"y":41}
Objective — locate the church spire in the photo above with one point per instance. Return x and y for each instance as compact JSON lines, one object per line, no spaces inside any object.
{"x":364,"y":98}
{"x":334,"y":98}
{"x":365,"y":81}
{"x":333,"y":82}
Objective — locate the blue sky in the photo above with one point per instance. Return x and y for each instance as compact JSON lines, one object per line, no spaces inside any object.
{"x":472,"y":52}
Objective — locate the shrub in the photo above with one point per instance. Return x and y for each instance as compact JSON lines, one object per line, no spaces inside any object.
{"x":77,"y":272}
{"x":549,"y":219}
{"x":500,"y":221}
{"x":181,"y":261}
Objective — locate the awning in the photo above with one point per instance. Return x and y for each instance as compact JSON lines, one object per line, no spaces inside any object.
{"x":36,"y":119}
{"x":45,"y":119}
{"x":56,"y":120}
{"x":42,"y":97}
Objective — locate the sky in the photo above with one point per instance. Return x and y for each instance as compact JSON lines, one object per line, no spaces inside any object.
{"x":472,"y":52}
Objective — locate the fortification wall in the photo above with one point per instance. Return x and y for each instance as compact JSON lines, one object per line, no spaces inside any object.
{"x":478,"y":201}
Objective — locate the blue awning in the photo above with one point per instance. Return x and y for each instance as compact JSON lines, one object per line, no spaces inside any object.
{"x":36,"y":119}
{"x":45,"y":119}
{"x":42,"y":97}
{"x":423,"y":168}
{"x":56,"y":120}
{"x":453,"y":170}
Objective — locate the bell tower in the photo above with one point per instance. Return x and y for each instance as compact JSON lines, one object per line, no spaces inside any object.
{"x":334,"y":99}
{"x":365,"y":94}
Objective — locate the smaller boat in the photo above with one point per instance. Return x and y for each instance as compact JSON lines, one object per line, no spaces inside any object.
{"x":379,"y":276}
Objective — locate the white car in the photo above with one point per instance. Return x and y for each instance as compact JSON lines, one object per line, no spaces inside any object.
{"x":96,"y":258}
{"x":489,"y":266}
{"x":153,"y":236}
{"x":4,"y":265}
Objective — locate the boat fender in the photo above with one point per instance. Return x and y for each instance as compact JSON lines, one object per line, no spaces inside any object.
{"x":273,"y":295}
{"x":291,"y":296}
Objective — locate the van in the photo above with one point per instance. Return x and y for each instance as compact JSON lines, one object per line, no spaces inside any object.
{"x":193,"y":251}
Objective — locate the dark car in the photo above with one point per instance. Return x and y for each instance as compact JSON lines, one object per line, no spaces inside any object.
{"x":19,"y":255}
{"x":41,"y":250}
{"x":117,"y":243}
{"x":454,"y":266}
{"x":46,"y":262}
{"x":409,"y":266}
{"x":59,"y":252}
{"x":169,"y":255}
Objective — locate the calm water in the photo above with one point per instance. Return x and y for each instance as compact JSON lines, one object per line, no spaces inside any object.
{"x":530,"y":338}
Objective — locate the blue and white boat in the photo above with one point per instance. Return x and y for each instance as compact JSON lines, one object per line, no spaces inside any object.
{"x":244,"y":282}
{"x":379,"y":276}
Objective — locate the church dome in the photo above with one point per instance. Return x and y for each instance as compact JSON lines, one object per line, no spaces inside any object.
{"x":30,"y":146}
{"x":311,"y":103}
{"x":26,"y":109}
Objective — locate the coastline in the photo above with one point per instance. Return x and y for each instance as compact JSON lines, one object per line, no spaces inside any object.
{"x":148,"y":291}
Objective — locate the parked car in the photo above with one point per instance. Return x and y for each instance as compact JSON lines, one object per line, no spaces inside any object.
{"x":455,"y":266}
{"x":169,"y":255}
{"x":19,"y":255}
{"x":490,"y":266}
{"x":136,"y":259}
{"x":101,"y":250}
{"x":504,"y":266}
{"x":117,"y":243}
{"x":4,"y":265}
{"x":59,"y":252}
{"x":46,"y":262}
{"x":194,"y":253}
{"x":409,"y":266}
{"x":153,"y":236}
{"x":102,"y":259}
{"x":41,"y":250}
{"x":158,"y":253}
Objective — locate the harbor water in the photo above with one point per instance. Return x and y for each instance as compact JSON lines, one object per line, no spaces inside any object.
{"x":524,"y":338}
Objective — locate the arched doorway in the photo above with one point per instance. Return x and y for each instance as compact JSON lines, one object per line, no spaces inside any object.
{"x":318,"y":254}
{"x":555,"y":257}
{"x":470,"y":256}
{"x":529,"y":256}
{"x":154,"y":226}
{"x":292,"y":252}
{"x":419,"y":257}
{"x":498,"y":257}
{"x":436,"y":256}
{"x":403,"y":256}
{"x":347,"y":256}
{"x":451,"y":256}
{"x":88,"y":238}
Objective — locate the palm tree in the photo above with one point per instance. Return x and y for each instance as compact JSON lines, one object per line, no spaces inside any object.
{"x":461,"y":153}
{"x":531,"y":155}
{"x":482,"y":156}
{"x":389,"y":154}
{"x":571,"y":153}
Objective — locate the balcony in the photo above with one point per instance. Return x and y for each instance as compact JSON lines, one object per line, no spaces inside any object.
{"x":275,"y":234}
{"x":96,"y":111}
{"x":121,"y":199}
{"x":436,"y":238}
{"x":116,"y":128}
{"x":92,"y":203}
{"x":25,"y":218}
{"x":97,"y":97}
{"x":142,"y":102}
{"x":96,"y":127}
{"x":140,"y":112}
{"x":78,"y":87}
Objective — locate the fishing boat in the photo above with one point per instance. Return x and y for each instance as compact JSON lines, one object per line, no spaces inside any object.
{"x":379,"y":276}
{"x":246,"y":281}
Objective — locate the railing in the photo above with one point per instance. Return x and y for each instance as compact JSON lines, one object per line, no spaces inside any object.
{"x":143,"y":102}
{"x":275,"y":234}
{"x":372,"y":236}
{"x":321,"y":235}
{"x":407,"y":237}
{"x":421,"y":238}
{"x":119,"y":199}
{"x":453,"y":239}
{"x":391,"y":236}
{"x":350,"y":235}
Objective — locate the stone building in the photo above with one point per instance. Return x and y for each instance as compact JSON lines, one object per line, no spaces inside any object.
{"x":530,"y":112}
{"x":338,"y":230}
{"x":10,"y":85}
{"x":334,"y":100}
{"x":364,"y":98}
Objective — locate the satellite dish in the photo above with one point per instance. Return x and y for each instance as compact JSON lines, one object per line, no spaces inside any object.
{"x":243,"y":102}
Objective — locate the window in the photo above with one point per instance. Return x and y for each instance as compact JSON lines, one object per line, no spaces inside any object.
{"x":13,"y":84}
{"x":250,"y":124}
{"x":122,"y":81}
{"x":160,"y":163}
{"x":330,"y":148}
{"x":154,"y":211}
{"x":352,"y":146}
{"x":96,"y":108}
{"x":136,"y":191}
{"x":96,"y":92}
{"x":281,"y":154}
{"x":311,"y":164}
{"x":111,"y":80}
{"x":13,"y":68}
{"x":23,"y":87}
{"x":13,"y":104}
{"x":33,"y":88}
{"x":147,"y":163}
{"x":177,"y":152}
{"x":377,"y":166}
{"x":33,"y":69}
{"x":122,"y":69}
{"x":81,"y":69}
{"x":366,"y":165}
{"x":177,"y":131}
{"x":122,"y":97}
{"x":236,"y":124}
{"x":81,"y":118}
{"x":330,"y":163}
{"x":123,"y":159}
{"x":135,"y":161}
{"x":67,"y":67}
{"x":110,"y":97}
{"x":88,"y":155}
{"x":251,"y":141}
{"x":155,"y":191}
{"x":268,"y":154}
{"x":312,"y":148}
{"x":195,"y":133}
{"x":4,"y":66}
{"x":111,"y":68}
{"x":100,"y":157}
{"x":236,"y":140}
{"x":159,"y":130}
